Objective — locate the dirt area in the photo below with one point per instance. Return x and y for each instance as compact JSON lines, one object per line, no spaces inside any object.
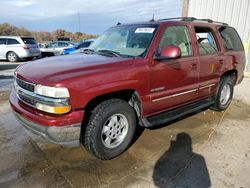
{"x":209,"y":149}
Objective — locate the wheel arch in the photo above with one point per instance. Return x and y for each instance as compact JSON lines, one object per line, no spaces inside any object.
{"x":130,"y":95}
{"x":232,"y":73}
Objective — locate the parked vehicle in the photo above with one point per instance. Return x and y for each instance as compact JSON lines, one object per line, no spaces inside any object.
{"x":14,"y":48}
{"x":144,"y":74}
{"x":55,"y":48}
{"x":78,"y":48}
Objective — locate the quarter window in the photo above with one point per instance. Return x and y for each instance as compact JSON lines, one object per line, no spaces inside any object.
{"x":13,"y":41}
{"x":231,"y":39}
{"x":206,"y":41}
{"x":177,"y":36}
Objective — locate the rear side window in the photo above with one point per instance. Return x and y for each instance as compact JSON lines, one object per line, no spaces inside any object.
{"x":12,"y":41}
{"x":206,"y":41}
{"x":177,"y":36}
{"x":84,"y":44}
{"x":231,"y":39}
{"x":29,"y":40}
{"x":2,"y":41}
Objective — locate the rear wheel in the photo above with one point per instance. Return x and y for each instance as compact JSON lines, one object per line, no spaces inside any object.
{"x":224,"y":94}
{"x":12,"y":57}
{"x":110,"y":129}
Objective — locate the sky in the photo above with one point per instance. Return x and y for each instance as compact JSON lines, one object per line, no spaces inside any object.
{"x":89,"y":16}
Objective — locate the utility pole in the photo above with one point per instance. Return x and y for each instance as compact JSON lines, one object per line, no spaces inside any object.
{"x":79,"y":21}
{"x":185,"y":4}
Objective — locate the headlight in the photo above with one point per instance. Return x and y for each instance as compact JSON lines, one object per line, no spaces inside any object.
{"x":55,"y":92}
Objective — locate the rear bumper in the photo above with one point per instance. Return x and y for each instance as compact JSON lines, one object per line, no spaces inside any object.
{"x":63,"y":130}
{"x":26,"y":54}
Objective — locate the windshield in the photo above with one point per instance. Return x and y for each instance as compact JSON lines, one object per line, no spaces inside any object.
{"x":133,"y":40}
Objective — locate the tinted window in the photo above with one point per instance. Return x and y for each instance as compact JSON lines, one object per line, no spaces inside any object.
{"x":84,"y":44}
{"x":29,"y":40}
{"x":62,"y":44}
{"x":177,"y":36}
{"x":2,"y":41}
{"x":13,"y":41}
{"x":206,"y":41}
{"x":231,"y":39}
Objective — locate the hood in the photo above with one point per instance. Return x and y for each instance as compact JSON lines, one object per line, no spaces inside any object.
{"x":51,"y":71}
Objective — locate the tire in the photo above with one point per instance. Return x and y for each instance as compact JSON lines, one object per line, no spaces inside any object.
{"x":224,"y":94}
{"x":12,"y":57}
{"x":107,"y":119}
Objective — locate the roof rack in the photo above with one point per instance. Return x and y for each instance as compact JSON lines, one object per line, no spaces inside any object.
{"x":179,"y":18}
{"x":190,"y":19}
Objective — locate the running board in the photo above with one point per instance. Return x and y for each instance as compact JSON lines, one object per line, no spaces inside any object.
{"x":176,"y":113}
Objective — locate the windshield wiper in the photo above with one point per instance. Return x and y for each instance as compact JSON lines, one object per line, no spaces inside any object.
{"x":110,"y":52}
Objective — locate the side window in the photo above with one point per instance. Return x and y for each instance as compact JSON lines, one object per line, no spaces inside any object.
{"x":52,"y":45}
{"x":231,"y":39}
{"x":206,"y":41}
{"x":2,"y":41}
{"x":177,"y":36}
{"x":62,"y":44}
{"x":12,"y":41}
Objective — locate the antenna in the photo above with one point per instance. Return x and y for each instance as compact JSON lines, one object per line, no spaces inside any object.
{"x":153,"y":18}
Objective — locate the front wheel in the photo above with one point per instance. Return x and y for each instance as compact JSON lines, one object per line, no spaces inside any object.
{"x":110,"y":129}
{"x":224,"y":94}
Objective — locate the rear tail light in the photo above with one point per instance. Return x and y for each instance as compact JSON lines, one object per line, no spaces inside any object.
{"x":26,"y":47}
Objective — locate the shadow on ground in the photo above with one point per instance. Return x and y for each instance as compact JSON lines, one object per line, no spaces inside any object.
{"x":181,"y":167}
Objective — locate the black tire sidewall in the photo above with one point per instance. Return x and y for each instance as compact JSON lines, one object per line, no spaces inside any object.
{"x":101,"y":149}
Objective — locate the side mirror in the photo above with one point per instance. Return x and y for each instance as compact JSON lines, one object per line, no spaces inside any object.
{"x":169,"y":52}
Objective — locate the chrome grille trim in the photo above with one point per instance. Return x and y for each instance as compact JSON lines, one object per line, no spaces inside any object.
{"x":25,"y":85}
{"x":30,"y":98}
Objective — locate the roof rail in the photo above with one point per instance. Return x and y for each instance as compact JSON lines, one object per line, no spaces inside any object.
{"x":179,"y":18}
{"x":190,"y":19}
{"x":211,"y":21}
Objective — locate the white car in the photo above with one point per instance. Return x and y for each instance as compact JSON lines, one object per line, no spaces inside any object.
{"x":55,"y":48}
{"x":13,"y":48}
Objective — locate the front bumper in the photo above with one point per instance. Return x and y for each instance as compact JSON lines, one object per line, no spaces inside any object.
{"x":63,"y":130}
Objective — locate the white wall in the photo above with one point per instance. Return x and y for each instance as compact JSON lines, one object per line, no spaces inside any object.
{"x":234,"y":12}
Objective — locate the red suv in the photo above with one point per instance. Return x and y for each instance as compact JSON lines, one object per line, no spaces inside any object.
{"x":140,"y":74}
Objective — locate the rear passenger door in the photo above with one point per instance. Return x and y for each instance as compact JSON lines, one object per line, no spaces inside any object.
{"x":211,"y":60}
{"x":174,"y":82}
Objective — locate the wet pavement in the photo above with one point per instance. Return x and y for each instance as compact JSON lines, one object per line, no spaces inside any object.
{"x":209,"y":149}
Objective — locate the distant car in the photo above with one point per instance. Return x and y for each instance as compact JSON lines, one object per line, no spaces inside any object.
{"x":41,"y":45}
{"x":77,"y":48}
{"x":56,"y":48}
{"x":14,"y":48}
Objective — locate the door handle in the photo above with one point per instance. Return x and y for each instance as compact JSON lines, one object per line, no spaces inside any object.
{"x":194,"y":66}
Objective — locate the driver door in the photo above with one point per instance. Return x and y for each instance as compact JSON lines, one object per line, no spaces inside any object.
{"x":174,"y":82}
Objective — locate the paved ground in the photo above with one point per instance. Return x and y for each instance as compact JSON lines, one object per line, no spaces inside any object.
{"x":209,"y":149}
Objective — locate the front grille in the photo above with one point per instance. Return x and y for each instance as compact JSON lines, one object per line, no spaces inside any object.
{"x":25,"y":85}
{"x":27,"y":100}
